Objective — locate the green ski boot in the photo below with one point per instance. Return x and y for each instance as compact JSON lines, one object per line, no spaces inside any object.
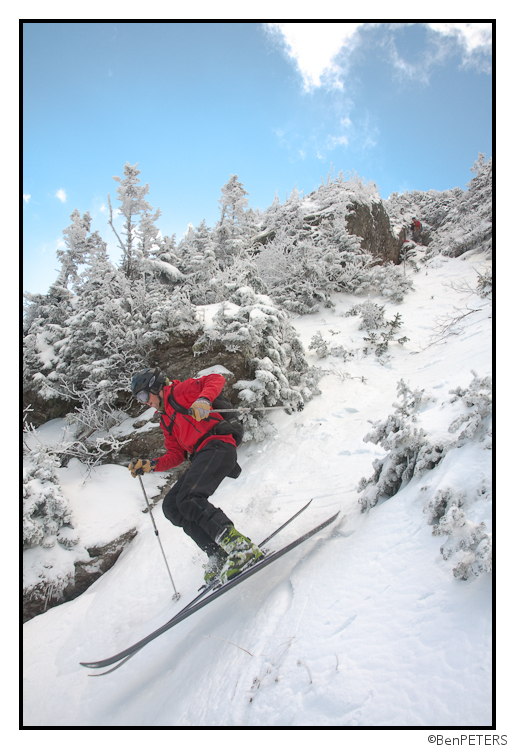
{"x":214,"y":566}
{"x":240,"y":552}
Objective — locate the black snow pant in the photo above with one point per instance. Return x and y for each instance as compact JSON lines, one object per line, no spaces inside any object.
{"x":186,"y":504}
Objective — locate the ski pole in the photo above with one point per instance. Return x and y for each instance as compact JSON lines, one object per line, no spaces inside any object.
{"x":177,"y":595}
{"x":245,"y":409}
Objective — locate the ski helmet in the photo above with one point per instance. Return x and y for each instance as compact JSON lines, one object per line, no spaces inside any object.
{"x":149,"y":381}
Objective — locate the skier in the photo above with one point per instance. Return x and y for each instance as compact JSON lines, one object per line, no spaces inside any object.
{"x":416,"y":228}
{"x":190,"y":426}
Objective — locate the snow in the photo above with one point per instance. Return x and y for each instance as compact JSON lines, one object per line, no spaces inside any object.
{"x":206,"y":312}
{"x":216,"y":369}
{"x":169,"y":270}
{"x":46,"y":351}
{"x":364,"y":625}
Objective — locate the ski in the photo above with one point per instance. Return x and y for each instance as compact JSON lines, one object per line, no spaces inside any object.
{"x":212,"y":585}
{"x":215,"y":582}
{"x":209,"y":588}
{"x":268,"y":538}
{"x":192,"y":609}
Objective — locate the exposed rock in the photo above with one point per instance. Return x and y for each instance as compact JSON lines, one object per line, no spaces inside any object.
{"x":177,"y":360}
{"x":102,"y":558}
{"x":43,"y":409}
{"x":316,"y":218}
{"x":366,"y":220}
{"x":372,"y":224}
{"x":263,"y":237}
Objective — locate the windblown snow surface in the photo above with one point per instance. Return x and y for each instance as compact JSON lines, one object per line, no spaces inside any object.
{"x":364,"y":625}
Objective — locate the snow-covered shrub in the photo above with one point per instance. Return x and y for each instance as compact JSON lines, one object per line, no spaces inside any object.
{"x":320,"y":345}
{"x":409,"y":451}
{"x":391,"y":282}
{"x":464,"y":535}
{"x":381,"y":340}
{"x":261,"y":331}
{"x":300,"y":275}
{"x":340,"y":352}
{"x":372,"y":316}
{"x":477,"y":561}
{"x":484,"y":283}
{"x":438,"y":505}
{"x":477,"y":399}
{"x":47,"y":516}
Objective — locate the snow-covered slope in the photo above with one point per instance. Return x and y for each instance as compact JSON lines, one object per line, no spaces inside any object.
{"x":364,"y":625}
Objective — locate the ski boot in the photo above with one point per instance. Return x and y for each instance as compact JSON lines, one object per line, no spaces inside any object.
{"x":240,"y":552}
{"x":214,"y":566}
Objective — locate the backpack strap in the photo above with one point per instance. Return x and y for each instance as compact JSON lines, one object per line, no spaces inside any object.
{"x":176,"y":409}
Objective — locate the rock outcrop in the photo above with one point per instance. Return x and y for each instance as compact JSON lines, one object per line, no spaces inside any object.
{"x":371,"y":223}
{"x":102,"y":558}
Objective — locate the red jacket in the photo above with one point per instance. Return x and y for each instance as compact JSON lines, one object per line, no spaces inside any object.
{"x":186,"y":432}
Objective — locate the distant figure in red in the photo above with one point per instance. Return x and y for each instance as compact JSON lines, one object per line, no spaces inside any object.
{"x":416,"y":228}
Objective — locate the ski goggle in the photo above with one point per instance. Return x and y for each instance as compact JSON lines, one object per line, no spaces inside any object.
{"x":142,"y":396}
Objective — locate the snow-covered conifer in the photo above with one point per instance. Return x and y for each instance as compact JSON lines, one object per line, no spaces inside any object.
{"x":233,"y":202}
{"x":438,"y":505}
{"x":75,"y":239}
{"x":372,"y":315}
{"x":464,"y":535}
{"x":252,"y":324}
{"x":45,"y":509}
{"x":44,"y":331}
{"x":477,"y":399}
{"x":132,"y":198}
{"x":409,"y":451}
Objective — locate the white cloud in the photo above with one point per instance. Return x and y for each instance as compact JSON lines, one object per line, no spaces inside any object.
{"x":472,"y":36}
{"x":26,"y":198}
{"x":61,"y":195}
{"x":337,"y":140}
{"x":314,"y":46}
{"x":321,"y":50}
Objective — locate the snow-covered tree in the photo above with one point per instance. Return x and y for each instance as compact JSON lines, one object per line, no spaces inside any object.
{"x":410,"y":451}
{"x":77,"y":247}
{"x":47,"y":517}
{"x":477,"y":400}
{"x":232,"y":233}
{"x":251,"y":324}
{"x":465,"y":535}
{"x":102,"y":343}
{"x":199,"y":264}
{"x":44,"y":329}
{"x":233,"y":202}
{"x":299,"y":275}
{"x":132,"y":198}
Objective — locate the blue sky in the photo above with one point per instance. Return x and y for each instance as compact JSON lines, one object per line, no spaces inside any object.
{"x":406,"y":105}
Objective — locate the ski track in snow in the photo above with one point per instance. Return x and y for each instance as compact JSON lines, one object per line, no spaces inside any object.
{"x":363,"y":625}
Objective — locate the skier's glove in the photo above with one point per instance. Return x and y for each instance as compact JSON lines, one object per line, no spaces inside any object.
{"x":138,"y":467}
{"x":201,"y":409}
